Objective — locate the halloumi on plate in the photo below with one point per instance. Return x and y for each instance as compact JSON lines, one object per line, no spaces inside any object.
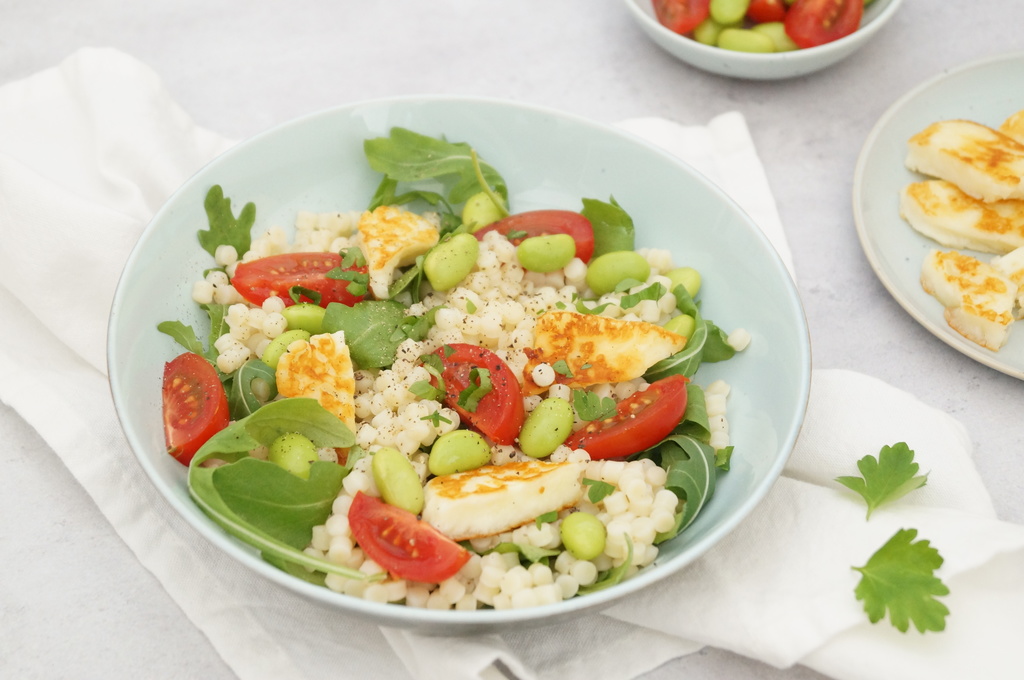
{"x":977,"y":297}
{"x":983,"y":162}
{"x":1012,"y":265}
{"x":1014,"y":126}
{"x":596,"y":349}
{"x":941,"y":211}
{"x":497,"y":498}
{"x":391,"y":238}
{"x":320,"y":369}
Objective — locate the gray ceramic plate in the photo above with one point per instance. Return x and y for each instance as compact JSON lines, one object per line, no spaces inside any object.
{"x":549,"y":160}
{"x":985,"y":91}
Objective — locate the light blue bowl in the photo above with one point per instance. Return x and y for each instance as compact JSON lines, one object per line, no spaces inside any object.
{"x":750,"y":66}
{"x":549,"y":160}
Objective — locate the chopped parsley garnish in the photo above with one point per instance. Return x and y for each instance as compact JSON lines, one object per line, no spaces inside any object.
{"x":589,"y":406}
{"x":479,"y":387}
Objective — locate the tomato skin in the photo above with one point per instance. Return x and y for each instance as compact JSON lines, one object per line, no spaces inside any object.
{"x":547,"y":223}
{"x":404,"y":545}
{"x":500,"y":414}
{"x":640,"y":421}
{"x":765,"y":11}
{"x":275,"y":275}
{"x":195,"y":406}
{"x":815,"y":22}
{"x":681,"y":16}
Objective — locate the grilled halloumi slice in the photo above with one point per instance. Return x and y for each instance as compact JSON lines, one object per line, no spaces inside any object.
{"x":978,"y":297}
{"x":497,"y":498}
{"x":596,"y":349}
{"x":320,"y":369}
{"x":941,"y":211}
{"x":1012,"y":265}
{"x":983,"y":162}
{"x":393,"y":238}
{"x":1014,"y":126}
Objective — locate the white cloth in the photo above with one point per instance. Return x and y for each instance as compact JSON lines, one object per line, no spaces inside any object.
{"x":91,"y":148}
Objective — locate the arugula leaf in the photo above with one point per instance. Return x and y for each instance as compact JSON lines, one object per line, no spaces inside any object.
{"x":589,"y":406}
{"x":369,"y":330}
{"x":613,"y":227}
{"x":716,"y":346}
{"x":407,"y":156}
{"x":242,"y":400}
{"x":271,"y":509}
{"x":694,"y":422}
{"x":409,"y":280}
{"x":296,"y":414}
{"x":183,"y":335}
{"x":900,"y":577}
{"x":599,"y":490}
{"x":416,"y":327}
{"x":218,"y":326}
{"x":224,"y":228}
{"x":386,"y":195}
{"x":690,"y":465}
{"x":723,"y":457}
{"x":890,"y":476}
{"x":687,"y":360}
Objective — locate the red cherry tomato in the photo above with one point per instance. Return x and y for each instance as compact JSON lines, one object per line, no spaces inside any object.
{"x":764,"y":11}
{"x":194,"y":403}
{"x":681,"y":16}
{"x":640,"y":422}
{"x":275,"y":275}
{"x":405,"y":546}
{"x":815,"y":22}
{"x":500,"y":414}
{"x":546,"y":223}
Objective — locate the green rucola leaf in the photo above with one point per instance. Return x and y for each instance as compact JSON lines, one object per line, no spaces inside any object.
{"x":891,"y":475}
{"x":900,"y":578}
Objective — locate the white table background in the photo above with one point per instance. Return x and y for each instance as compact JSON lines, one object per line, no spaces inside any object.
{"x":75,"y":603}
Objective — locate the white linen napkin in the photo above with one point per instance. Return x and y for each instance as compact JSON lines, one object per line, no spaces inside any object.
{"x":91,"y":148}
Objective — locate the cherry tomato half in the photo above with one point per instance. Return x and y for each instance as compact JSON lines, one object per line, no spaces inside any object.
{"x":546,"y":223}
{"x":765,"y":11}
{"x":404,"y":545}
{"x":815,"y":22}
{"x":500,"y":414}
{"x":681,"y":16}
{"x":640,"y":422}
{"x":275,"y":275}
{"x":194,"y":403}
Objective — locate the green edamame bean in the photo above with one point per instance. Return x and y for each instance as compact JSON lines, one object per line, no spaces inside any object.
{"x":451,"y":261}
{"x":458,"y":451}
{"x":608,"y":270}
{"x":687,"y":277}
{"x":397,"y":480}
{"x":294,"y":453}
{"x":546,"y":253}
{"x":305,"y":316}
{"x":728,"y":11}
{"x":707,"y":32}
{"x":684,"y":325}
{"x":583,"y":535}
{"x":279,"y":345}
{"x":745,"y":40}
{"x":776,"y":30}
{"x":547,"y":426}
{"x":480,"y":210}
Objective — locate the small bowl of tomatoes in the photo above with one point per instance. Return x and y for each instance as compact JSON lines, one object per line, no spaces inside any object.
{"x":761,"y":39}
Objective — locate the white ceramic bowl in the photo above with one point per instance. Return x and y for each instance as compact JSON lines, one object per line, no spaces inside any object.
{"x":549,"y":160}
{"x":761,"y":66}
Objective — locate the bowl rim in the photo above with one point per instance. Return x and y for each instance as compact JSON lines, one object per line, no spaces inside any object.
{"x":832,"y":49}
{"x":454,"y":621}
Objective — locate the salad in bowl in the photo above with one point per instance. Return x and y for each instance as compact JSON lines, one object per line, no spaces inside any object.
{"x":455,"y":398}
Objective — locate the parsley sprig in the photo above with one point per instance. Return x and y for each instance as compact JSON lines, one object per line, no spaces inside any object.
{"x":892,"y":475}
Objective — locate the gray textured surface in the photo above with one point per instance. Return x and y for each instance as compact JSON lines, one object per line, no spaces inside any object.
{"x":75,"y":603}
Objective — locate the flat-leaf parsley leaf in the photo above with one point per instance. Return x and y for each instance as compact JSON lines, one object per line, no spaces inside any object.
{"x":900,"y":577}
{"x":890,"y":476}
